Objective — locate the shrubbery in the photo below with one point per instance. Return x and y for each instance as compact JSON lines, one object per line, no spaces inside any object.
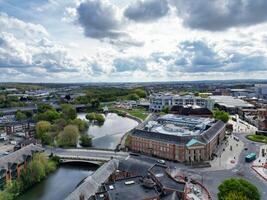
{"x":95,"y":117}
{"x":36,"y":171}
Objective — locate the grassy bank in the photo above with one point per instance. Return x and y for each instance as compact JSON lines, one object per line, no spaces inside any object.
{"x":140,"y":113}
{"x":257,"y":138}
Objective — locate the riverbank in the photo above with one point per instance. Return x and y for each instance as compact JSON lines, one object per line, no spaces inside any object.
{"x":36,"y":170}
{"x":60,"y":183}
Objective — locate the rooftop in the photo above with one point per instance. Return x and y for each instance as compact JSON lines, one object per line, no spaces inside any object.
{"x":179,"y":125}
{"x":231,"y":102}
{"x":18,"y":156}
{"x":131,"y":189}
{"x":166,"y":180}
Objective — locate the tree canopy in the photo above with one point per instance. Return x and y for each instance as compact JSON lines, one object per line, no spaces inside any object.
{"x":69,"y":136}
{"x":237,"y":189}
{"x":221,"y":115}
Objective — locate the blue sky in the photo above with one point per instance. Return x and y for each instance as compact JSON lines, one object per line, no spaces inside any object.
{"x":137,"y":40}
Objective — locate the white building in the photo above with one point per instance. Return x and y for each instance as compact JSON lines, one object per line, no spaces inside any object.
{"x":160,"y":100}
{"x":261,"y":90}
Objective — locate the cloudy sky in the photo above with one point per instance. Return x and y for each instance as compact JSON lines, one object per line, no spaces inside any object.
{"x":132,"y":40}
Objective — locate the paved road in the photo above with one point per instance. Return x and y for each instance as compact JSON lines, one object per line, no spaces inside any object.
{"x":88,"y":153}
{"x":212,"y":179}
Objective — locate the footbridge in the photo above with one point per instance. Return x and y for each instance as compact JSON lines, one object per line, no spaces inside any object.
{"x":94,"y":156}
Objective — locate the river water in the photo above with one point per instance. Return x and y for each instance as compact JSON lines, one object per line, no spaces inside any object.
{"x":59,"y":184}
{"x":108,"y":135}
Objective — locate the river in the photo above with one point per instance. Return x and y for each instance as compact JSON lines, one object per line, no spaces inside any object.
{"x":59,"y":184}
{"x":108,"y":135}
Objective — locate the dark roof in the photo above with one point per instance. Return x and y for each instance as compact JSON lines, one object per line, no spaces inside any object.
{"x":119,"y":190}
{"x":190,"y":111}
{"x":161,"y":174}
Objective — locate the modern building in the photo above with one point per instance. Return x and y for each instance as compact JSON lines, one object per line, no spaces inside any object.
{"x":261,"y":90}
{"x":12,"y":164}
{"x":230,"y":104}
{"x":190,"y":111}
{"x":158,"y":101}
{"x":178,"y":138}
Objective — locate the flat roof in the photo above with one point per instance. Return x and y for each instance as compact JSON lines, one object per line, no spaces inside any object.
{"x":179,"y":125}
{"x":160,"y":173}
{"x":231,"y":102}
{"x":130,"y":188}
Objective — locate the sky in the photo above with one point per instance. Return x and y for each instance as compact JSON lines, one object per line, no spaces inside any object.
{"x":132,"y":40}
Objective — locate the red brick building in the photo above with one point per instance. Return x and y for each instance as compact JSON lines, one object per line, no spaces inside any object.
{"x":195,"y":147}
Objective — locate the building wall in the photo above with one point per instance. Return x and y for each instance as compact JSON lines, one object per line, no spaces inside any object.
{"x":157,"y":103}
{"x":176,"y":152}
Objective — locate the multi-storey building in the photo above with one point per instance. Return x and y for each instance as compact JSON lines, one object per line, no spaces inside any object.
{"x":179,"y":138}
{"x":159,"y":100}
{"x":11,"y":165}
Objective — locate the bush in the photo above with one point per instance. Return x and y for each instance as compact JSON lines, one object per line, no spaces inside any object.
{"x":238,"y":188}
{"x":86,"y":140}
{"x":95,"y":117}
{"x":69,"y":136}
{"x":82,"y":124}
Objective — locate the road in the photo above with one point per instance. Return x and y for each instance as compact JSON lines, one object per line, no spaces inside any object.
{"x":87,"y":153}
{"x":210,"y":178}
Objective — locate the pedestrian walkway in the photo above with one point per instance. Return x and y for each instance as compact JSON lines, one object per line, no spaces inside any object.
{"x":260,"y":164}
{"x":230,"y":151}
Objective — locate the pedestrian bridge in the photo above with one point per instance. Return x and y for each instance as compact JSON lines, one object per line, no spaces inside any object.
{"x":93,"y":156}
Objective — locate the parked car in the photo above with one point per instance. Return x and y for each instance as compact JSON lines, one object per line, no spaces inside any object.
{"x":161,"y":161}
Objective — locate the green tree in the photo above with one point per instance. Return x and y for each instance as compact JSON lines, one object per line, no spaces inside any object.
{"x":134,"y":97}
{"x":68,"y":111}
{"x":90,"y":116}
{"x":99,"y":118}
{"x":141,"y":93}
{"x":221,"y":115}
{"x":43,"y":129}
{"x":82,"y":124}
{"x":69,"y":136}
{"x":86,"y":140}
{"x":234,"y":187}
{"x":44,"y":107}
{"x":20,"y":115}
{"x":166,"y":109}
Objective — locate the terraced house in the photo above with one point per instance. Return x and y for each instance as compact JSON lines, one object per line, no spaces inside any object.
{"x":11,"y":165}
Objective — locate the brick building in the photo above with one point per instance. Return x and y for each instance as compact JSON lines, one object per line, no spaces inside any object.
{"x":179,"y":138}
{"x":12,"y":164}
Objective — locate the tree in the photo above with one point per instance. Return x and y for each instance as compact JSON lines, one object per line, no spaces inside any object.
{"x":42,"y":131}
{"x":239,"y":188}
{"x":134,"y":97}
{"x":68,"y":111}
{"x":90,"y":116}
{"x":44,"y":107}
{"x":82,"y":124}
{"x":69,"y":136}
{"x":20,"y":115}
{"x":221,"y":115}
{"x":140,"y":92}
{"x":95,"y":103}
{"x":166,"y":109}
{"x":86,"y":140}
{"x":99,"y":118}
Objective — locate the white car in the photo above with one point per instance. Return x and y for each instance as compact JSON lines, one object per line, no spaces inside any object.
{"x":161,"y":161}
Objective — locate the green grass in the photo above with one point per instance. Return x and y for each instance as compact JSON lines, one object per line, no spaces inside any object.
{"x":140,"y":113}
{"x":257,"y":138}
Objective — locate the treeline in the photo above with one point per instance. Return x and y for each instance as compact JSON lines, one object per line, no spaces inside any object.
{"x":59,"y":128}
{"x":37,"y":169}
{"x":111,"y":94}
